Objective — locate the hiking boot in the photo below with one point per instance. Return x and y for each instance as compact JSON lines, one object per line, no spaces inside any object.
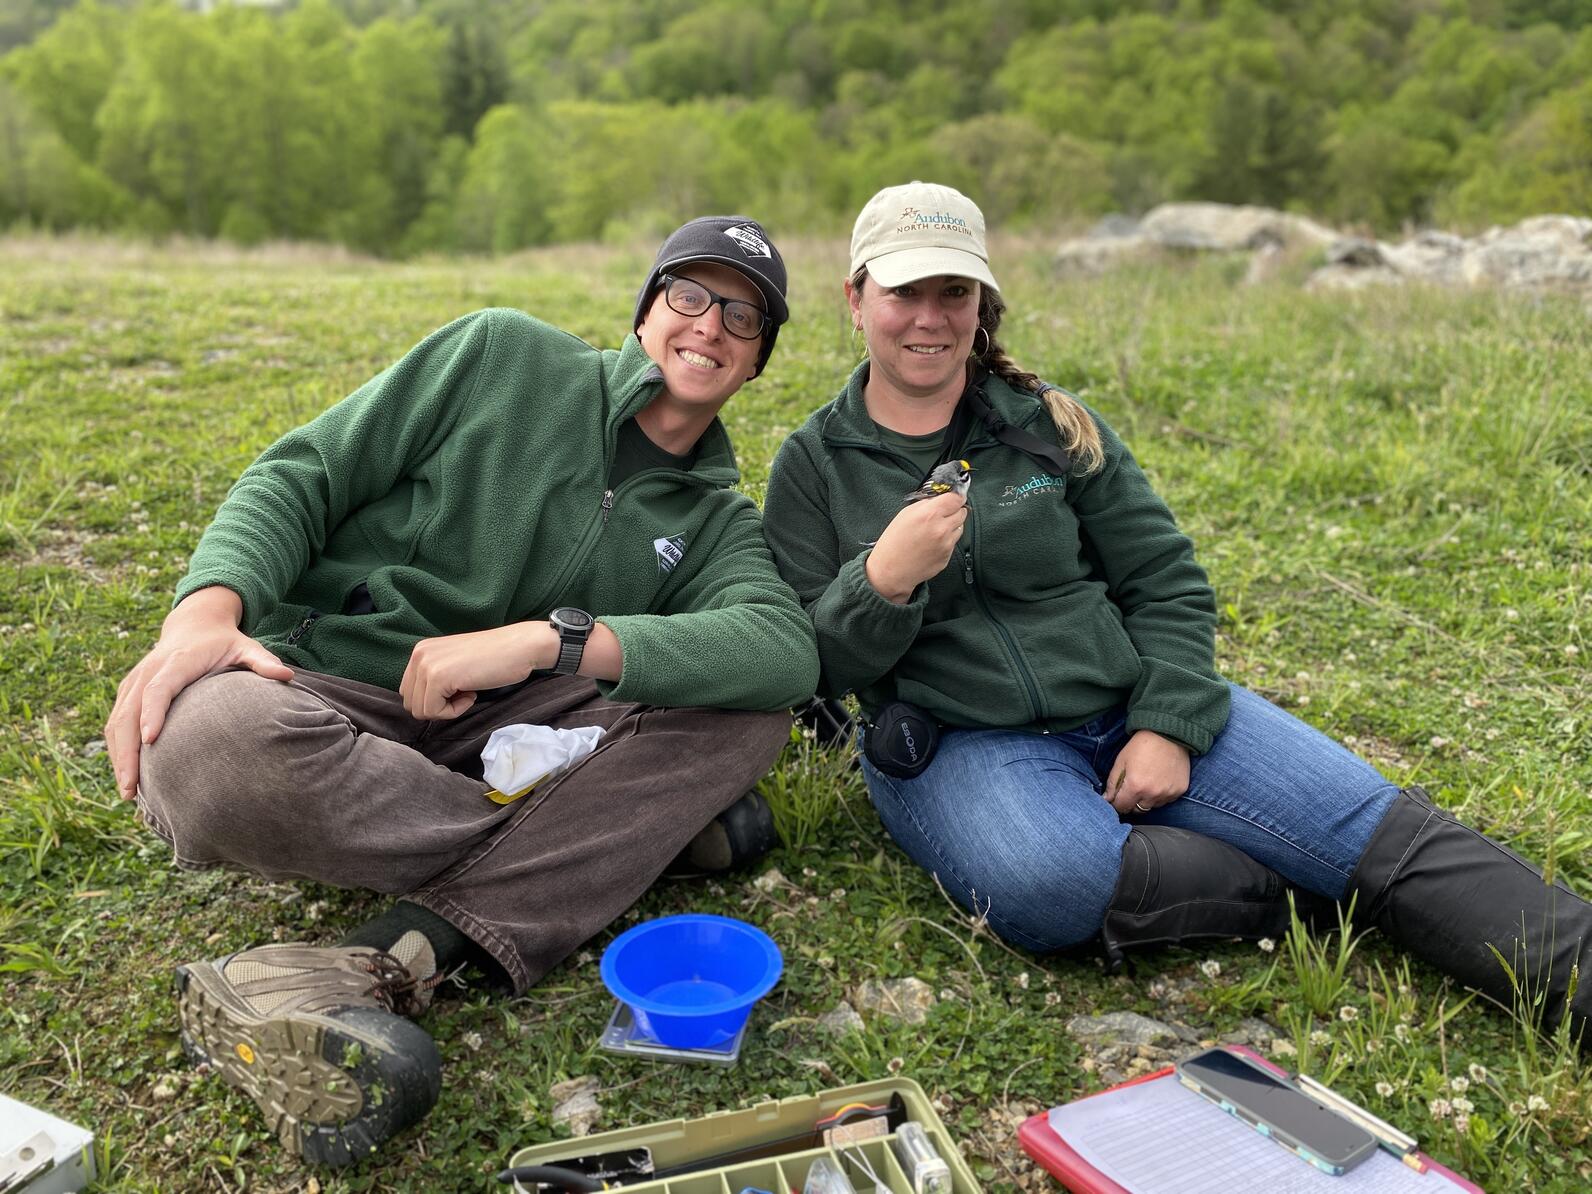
{"x":736,"y":838}
{"x":318,"y":1039}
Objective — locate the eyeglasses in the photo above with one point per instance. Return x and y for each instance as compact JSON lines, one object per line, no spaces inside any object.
{"x":685,"y":297}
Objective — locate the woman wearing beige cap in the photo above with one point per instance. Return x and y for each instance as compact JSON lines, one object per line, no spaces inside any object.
{"x":1046,"y":729}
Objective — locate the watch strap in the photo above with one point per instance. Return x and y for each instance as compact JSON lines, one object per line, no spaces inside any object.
{"x":570,"y":649}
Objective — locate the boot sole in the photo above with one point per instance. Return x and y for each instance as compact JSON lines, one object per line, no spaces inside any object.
{"x":331,"y":1089}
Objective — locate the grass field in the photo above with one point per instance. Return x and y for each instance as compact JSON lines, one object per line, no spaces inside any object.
{"x":1393,"y":495}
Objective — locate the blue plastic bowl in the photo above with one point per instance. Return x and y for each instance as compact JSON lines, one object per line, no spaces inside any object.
{"x":691,"y":981}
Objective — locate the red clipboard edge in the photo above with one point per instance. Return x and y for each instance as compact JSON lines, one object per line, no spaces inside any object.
{"x":1058,"y":1158}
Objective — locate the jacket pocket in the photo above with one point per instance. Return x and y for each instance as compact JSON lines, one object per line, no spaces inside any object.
{"x":359,"y":600}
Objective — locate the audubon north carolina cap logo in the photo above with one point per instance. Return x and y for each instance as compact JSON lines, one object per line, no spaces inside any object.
{"x":750,"y":238}
{"x":915,"y":219}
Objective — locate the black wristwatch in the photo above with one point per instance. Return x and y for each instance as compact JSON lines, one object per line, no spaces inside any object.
{"x":574,"y":628}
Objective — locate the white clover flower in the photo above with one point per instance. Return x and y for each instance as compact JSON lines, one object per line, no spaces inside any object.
{"x":1517,"y":1108}
{"x":1283,"y":1047}
{"x":1536,"y":1103}
{"x":895,"y":1065}
{"x":1211,"y":967}
{"x":1464,"y":1106}
{"x":1462,"y":1124}
{"x":1478,"y":1073}
{"x":1022,"y":979}
{"x":1373,"y":1046}
{"x":1318,"y":1037}
{"x":1402,"y":1032}
{"x":1266,"y":945}
{"x":1440,"y":1108}
{"x":1459,"y":1085}
{"x":1385,"y":1089}
{"x":1347,"y":1013}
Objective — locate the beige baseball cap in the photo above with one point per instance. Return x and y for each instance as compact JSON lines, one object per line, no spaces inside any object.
{"x":918,"y":231}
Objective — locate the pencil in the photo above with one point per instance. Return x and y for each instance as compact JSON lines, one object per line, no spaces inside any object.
{"x":1413,"y":1160}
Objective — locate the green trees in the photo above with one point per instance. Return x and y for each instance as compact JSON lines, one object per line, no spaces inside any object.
{"x":397,"y":126}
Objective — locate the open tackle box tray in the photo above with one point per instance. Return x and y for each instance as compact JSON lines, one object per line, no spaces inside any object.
{"x":678,"y":1142}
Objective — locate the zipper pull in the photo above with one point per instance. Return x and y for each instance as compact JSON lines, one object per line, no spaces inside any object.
{"x":608,"y":504}
{"x":302,"y":628}
{"x":967,"y":566}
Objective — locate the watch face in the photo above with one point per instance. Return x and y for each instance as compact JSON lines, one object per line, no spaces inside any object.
{"x":575,"y":619}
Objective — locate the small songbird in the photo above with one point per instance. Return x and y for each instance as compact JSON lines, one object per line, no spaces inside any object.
{"x":950,"y":477}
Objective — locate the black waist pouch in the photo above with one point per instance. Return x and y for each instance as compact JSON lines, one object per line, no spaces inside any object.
{"x":902,"y":740}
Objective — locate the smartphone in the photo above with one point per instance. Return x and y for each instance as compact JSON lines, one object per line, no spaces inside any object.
{"x":1275,"y":1108}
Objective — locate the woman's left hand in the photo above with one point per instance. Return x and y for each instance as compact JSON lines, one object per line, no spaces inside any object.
{"x":1150,"y":771}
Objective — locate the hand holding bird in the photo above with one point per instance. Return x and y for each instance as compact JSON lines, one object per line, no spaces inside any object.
{"x":922,"y":537}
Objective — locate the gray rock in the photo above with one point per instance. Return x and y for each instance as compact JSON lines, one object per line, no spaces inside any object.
{"x":1113,"y":227}
{"x":1544,"y":251}
{"x":907,"y":999}
{"x":1089,"y":256}
{"x":575,"y":1104}
{"x":843,"y":1018}
{"x":1222,"y":227}
{"x":1356,"y":251}
{"x":1122,"y":1028}
{"x":1431,"y":256}
{"x":1266,"y":264}
{"x":1250,"y":1031}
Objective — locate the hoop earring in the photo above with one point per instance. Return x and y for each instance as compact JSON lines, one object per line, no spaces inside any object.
{"x":978,"y":353}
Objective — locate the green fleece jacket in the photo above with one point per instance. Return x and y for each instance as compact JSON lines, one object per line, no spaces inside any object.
{"x":466,"y":488}
{"x":1067,"y":597}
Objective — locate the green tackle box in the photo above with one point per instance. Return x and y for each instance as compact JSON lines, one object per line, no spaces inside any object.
{"x":678,"y":1141}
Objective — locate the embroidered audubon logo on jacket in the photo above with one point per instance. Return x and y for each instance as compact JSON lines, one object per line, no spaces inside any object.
{"x":1038,"y":483}
{"x":671,"y":551}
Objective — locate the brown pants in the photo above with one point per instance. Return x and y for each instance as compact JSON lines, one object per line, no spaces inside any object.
{"x":329,"y":779}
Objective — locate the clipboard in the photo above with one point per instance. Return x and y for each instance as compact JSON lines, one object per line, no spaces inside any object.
{"x":1217,"y":1131}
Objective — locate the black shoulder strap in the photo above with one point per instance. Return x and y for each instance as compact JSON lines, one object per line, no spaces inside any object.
{"x":1046,"y":453}
{"x":956,"y":430}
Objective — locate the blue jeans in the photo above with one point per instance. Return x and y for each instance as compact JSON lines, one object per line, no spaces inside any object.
{"x":1016,"y":826}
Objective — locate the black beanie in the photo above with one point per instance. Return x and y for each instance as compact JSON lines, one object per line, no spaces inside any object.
{"x":734,"y":241}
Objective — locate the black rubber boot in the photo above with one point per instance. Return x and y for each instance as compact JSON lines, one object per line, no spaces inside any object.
{"x":1446,"y":893}
{"x":736,"y":838}
{"x":1177,"y":886}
